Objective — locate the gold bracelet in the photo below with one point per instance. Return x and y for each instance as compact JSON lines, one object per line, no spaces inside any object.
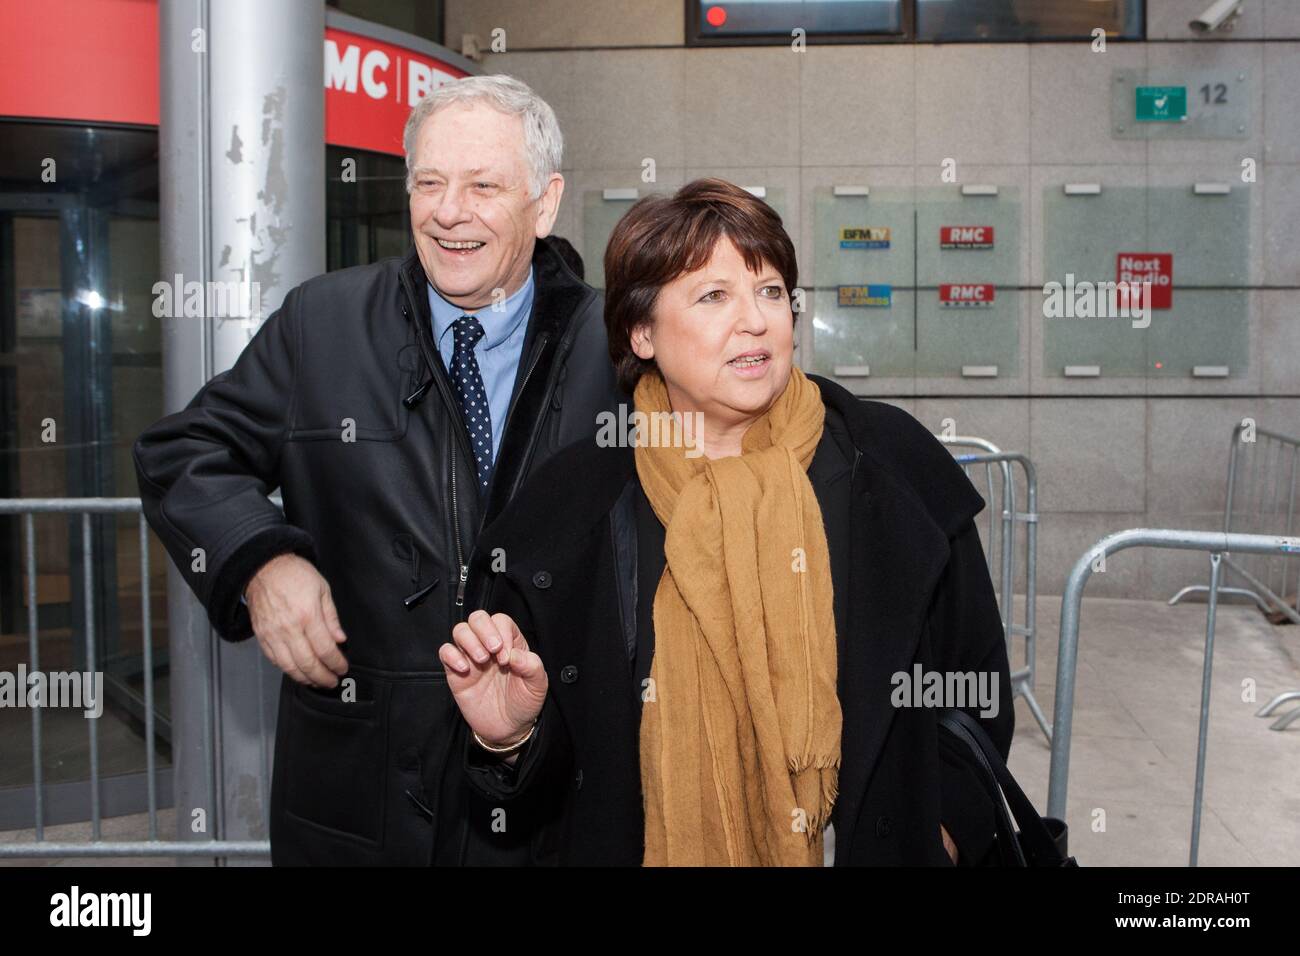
{"x":504,"y":750}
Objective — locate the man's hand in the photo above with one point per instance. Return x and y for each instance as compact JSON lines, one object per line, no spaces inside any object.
{"x":499,"y":684}
{"x":295,"y":621}
{"x":948,"y":844}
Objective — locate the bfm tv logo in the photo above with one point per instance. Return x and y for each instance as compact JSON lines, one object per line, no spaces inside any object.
{"x":865,"y":237}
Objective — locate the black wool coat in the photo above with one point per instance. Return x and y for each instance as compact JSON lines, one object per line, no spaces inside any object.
{"x":584,"y":553}
{"x":389,"y":515}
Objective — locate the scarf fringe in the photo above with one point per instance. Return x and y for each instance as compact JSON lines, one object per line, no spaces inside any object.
{"x":809,"y":762}
{"x":830,"y":789}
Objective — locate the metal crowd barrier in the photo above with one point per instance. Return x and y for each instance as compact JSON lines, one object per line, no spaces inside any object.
{"x":1265,"y":481}
{"x":1215,"y":542}
{"x":1001,"y":541}
{"x":97,"y":847}
{"x":1261,"y":495}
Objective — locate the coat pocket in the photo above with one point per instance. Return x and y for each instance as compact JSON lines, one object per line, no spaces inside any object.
{"x":336,"y":756}
{"x":363,"y":402}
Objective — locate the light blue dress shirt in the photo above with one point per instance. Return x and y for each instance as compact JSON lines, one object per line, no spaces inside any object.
{"x":497,"y":352}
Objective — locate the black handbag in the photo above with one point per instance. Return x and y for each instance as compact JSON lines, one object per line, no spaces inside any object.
{"x":1040,"y":841}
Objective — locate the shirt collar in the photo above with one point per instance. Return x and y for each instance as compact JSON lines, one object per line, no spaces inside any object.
{"x":497,"y":325}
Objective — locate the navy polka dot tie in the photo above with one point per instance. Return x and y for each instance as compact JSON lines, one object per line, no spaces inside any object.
{"x":468,"y":382}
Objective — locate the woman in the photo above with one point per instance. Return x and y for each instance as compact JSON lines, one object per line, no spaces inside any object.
{"x":698,"y":642}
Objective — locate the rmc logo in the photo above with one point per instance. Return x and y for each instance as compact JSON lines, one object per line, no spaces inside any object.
{"x":966,"y":294}
{"x":965,"y":237}
{"x":378,"y":72}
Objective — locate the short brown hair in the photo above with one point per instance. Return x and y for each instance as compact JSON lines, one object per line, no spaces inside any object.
{"x":663,"y":237}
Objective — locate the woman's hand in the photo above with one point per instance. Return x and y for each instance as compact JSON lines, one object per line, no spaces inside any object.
{"x":948,"y":844}
{"x":499,"y":684}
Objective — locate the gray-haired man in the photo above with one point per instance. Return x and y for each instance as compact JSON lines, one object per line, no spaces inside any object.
{"x":398,"y":406}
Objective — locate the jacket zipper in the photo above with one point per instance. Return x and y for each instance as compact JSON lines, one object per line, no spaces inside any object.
{"x":426,"y":351}
{"x":463,"y":566}
{"x":455,"y":524}
{"x":561,"y":355}
{"x":537,"y":357}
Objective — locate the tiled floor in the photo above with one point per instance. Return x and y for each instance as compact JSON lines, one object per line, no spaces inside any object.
{"x":1133,"y":755}
{"x":66,"y":745}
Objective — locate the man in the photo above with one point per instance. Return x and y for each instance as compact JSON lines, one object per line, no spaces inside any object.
{"x":398,"y":406}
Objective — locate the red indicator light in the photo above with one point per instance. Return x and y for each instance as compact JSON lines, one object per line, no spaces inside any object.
{"x":716,"y":16}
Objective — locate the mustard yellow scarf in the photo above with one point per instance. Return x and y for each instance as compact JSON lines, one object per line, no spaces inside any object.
{"x":740,"y":728}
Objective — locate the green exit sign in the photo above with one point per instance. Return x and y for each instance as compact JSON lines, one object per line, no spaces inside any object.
{"x":1161,"y":104}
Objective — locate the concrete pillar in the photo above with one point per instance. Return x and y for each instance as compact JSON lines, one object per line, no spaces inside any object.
{"x":242,"y":195}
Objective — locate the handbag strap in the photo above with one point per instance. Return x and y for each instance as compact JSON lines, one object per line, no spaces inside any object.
{"x":1034,"y":837}
{"x":1008,"y":848}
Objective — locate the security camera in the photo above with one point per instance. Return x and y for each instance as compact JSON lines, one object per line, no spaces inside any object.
{"x":1222,"y":14}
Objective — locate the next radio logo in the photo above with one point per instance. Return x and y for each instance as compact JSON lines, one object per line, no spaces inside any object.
{"x":965,"y":237}
{"x":1151,"y":270}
